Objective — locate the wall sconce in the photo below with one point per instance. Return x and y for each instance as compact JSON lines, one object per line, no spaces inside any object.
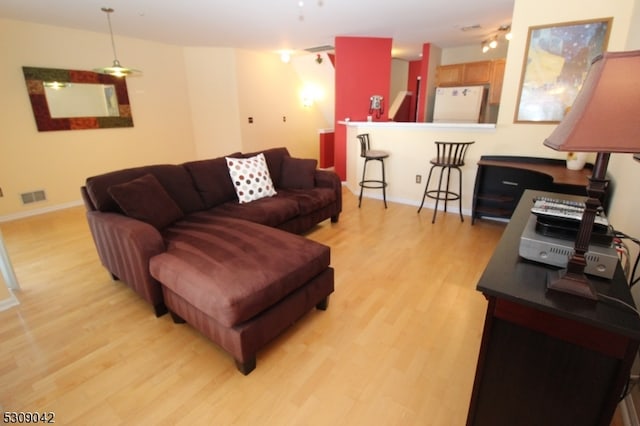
{"x":285,"y":57}
{"x":310,"y":94}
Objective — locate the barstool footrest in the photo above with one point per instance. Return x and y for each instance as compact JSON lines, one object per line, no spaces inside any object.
{"x":373,"y":184}
{"x":450,"y":156}
{"x":444,"y":195}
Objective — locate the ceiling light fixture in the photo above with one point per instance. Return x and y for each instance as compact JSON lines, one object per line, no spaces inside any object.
{"x":115,"y":69}
{"x":492,"y":42}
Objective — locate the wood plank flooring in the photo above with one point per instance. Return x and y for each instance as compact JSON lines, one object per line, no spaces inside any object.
{"x":397,"y":346}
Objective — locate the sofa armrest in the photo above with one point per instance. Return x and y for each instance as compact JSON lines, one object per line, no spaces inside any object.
{"x":329,"y":179}
{"x":125,"y":246}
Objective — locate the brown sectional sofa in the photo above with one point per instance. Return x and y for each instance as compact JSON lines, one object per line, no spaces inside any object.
{"x":237,"y":272}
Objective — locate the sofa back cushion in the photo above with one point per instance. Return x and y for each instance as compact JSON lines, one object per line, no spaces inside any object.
{"x":274,"y":157}
{"x":298,"y":173}
{"x":212,"y":180}
{"x":174,"y":179}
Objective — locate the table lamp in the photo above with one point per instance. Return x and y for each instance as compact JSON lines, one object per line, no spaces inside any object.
{"x":604,"y":118}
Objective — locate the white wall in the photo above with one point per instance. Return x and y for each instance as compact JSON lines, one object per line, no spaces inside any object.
{"x":270,"y":91}
{"x":399,"y":80}
{"x":213,"y":99}
{"x":320,"y":80}
{"x":473,"y":53}
{"x":60,"y":161}
{"x":189,"y":103}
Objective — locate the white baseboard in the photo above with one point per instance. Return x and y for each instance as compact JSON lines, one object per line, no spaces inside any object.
{"x":35,"y":212}
{"x":7,"y":303}
{"x":628,"y":412}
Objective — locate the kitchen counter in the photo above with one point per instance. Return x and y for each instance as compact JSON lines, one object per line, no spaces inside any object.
{"x":426,"y":126}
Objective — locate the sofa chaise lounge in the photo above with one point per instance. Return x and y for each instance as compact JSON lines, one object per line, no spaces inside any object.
{"x":195,"y":240}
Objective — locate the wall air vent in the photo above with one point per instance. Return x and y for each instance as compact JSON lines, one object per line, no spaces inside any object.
{"x":34,"y":196}
{"x":319,"y":49}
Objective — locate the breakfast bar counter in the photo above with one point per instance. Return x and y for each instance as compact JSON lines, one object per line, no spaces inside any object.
{"x":411,"y":147}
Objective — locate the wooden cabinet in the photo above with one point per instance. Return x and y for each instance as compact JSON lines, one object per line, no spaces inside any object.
{"x":495,"y":86}
{"x":549,"y":358}
{"x":466,"y":74}
{"x":450,"y":75}
{"x":474,"y":73}
{"x":501,"y":180}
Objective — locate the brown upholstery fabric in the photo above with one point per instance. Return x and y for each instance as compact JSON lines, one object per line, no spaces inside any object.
{"x":270,"y":211}
{"x":309,"y":200}
{"x":274,"y":157}
{"x":231,"y":269}
{"x":211,"y":178}
{"x":125,"y":246}
{"x":174,"y":178}
{"x":145,"y":199}
{"x":298,"y":173}
{"x":242,"y":341}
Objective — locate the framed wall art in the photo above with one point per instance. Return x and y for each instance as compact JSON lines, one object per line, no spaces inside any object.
{"x":556,"y":62}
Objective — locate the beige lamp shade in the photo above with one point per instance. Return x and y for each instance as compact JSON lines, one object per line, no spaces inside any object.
{"x":605,"y":116}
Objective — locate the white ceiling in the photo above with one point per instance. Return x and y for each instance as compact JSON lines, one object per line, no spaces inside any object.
{"x":275,"y":25}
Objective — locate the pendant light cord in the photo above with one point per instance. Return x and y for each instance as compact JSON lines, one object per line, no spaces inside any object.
{"x":108,"y":11}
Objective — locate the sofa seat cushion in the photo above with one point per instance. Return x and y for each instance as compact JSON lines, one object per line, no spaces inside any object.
{"x":309,"y":200}
{"x":231,"y":269}
{"x":270,"y":211}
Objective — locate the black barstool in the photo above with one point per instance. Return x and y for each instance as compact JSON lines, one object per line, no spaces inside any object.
{"x":368,"y":154}
{"x":450,"y":155}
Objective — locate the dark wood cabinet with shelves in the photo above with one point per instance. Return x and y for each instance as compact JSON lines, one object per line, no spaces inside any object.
{"x":501,"y":180}
{"x":549,"y":358}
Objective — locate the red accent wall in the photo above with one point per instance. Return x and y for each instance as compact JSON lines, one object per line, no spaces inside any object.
{"x":363,"y":68}
{"x":412,"y":86}
{"x":424,"y":74}
{"x":326,"y":150}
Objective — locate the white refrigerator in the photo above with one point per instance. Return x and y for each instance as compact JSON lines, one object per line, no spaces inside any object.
{"x":458,"y":104}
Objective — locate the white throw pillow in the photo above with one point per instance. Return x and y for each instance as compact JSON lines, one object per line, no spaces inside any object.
{"x":250,"y":177}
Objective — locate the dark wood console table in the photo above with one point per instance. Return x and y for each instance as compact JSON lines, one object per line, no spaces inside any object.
{"x":501,"y":180}
{"x":549,"y":358}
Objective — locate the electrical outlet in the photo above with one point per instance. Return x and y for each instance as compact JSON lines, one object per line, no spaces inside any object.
{"x":418,"y":178}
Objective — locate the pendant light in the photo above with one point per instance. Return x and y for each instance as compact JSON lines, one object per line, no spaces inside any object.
{"x":116,"y":69}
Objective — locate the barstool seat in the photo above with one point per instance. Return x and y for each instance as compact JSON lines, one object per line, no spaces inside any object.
{"x":449,"y":155}
{"x":372,"y":155}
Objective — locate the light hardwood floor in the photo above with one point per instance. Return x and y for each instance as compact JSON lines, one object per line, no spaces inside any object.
{"x":397,"y":346}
